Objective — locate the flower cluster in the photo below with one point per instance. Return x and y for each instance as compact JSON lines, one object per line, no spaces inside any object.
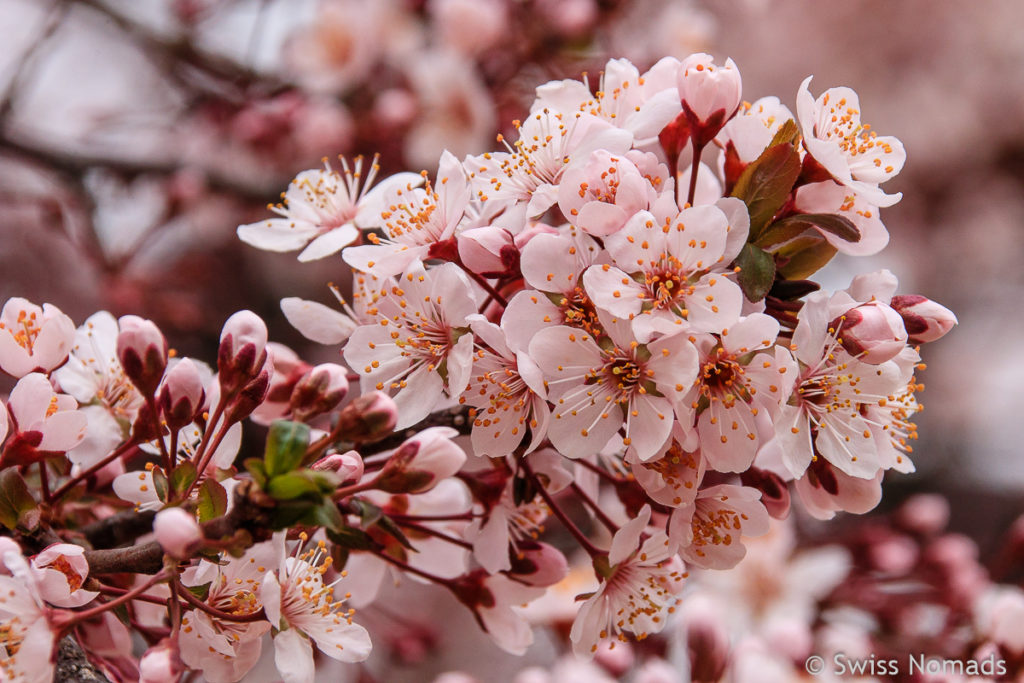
{"x":612,"y":313}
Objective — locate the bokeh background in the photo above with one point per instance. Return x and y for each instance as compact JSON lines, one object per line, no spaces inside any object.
{"x":136,"y":135}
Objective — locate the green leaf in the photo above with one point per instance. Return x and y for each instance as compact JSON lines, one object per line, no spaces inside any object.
{"x":766,"y":183}
{"x":213,"y":500}
{"x":326,"y":515}
{"x":791,"y":226}
{"x":286,"y":446}
{"x":182,"y":477}
{"x":257,"y":471}
{"x":15,"y":498}
{"x":757,"y":271}
{"x":292,"y":485}
{"x":804,"y":256}
{"x":201,"y":591}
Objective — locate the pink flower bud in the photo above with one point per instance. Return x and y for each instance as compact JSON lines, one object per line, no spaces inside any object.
{"x":368,"y":417}
{"x":707,"y":643}
{"x":489,"y":251}
{"x":925,"y":514}
{"x":924,"y":319}
{"x":422,"y":461}
{"x":539,"y":564}
{"x":177,"y":532}
{"x":161,"y":663}
{"x":531,"y":231}
{"x":872,"y":332}
{"x":288,"y":370}
{"x":242,"y":353}
{"x":710,"y":94}
{"x":142,"y":349}
{"x":182,"y":395}
{"x":348,"y":466}
{"x":319,"y":391}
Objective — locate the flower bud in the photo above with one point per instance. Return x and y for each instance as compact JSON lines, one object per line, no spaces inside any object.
{"x":242,"y":353}
{"x":925,"y":320}
{"x":288,"y":369}
{"x":707,"y":642}
{"x":249,"y":398}
{"x":368,"y":417}
{"x":177,"y":532}
{"x":142,"y":349}
{"x":348,"y":466}
{"x":926,"y":514}
{"x":710,"y":94}
{"x":489,"y":251}
{"x":539,"y":564}
{"x":319,"y":391}
{"x":161,"y":663}
{"x":532,"y":230}
{"x":422,"y":461}
{"x":872,"y":332}
{"x":182,"y":395}
{"x":774,"y":491}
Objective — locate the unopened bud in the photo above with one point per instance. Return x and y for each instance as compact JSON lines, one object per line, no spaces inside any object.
{"x":532,"y":230}
{"x":348,"y":466}
{"x":422,"y":461}
{"x":710,"y":94}
{"x":142,"y":350}
{"x":489,"y":251}
{"x":242,"y":353}
{"x":872,"y":332}
{"x":707,"y":643}
{"x":182,"y":395}
{"x":926,"y":514}
{"x":925,"y":320}
{"x":774,"y":491}
{"x":368,"y":417}
{"x":539,"y":564}
{"x":249,"y":398}
{"x":161,"y":663}
{"x":177,"y":532}
{"x":319,"y":391}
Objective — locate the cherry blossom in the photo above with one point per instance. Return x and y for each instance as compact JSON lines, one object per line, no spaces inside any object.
{"x":413,"y":219}
{"x":640,"y":582}
{"x":28,"y":638}
{"x":323,"y":211}
{"x":422,"y":331}
{"x":60,"y":570}
{"x":33,"y":338}
{"x":848,"y":149}
{"x":43,"y":422}
{"x":598,"y":389}
{"x":709,"y":530}
{"x":301,"y":608}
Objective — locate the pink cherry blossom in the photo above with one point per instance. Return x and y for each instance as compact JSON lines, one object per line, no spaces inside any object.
{"x":420,"y":327}
{"x":507,"y":390}
{"x":637,"y":591}
{"x":832,"y":198}
{"x":709,"y":531}
{"x":742,"y":381}
{"x":640,"y":104}
{"x":751,"y":131}
{"x":33,"y":338}
{"x":42,"y":421}
{"x":224,"y":651}
{"x":856,"y":156}
{"x":672,"y":478}
{"x":28,"y":636}
{"x":530,"y":171}
{"x":670,"y":273}
{"x":298,"y":602}
{"x":323,"y":210}
{"x":597,"y":389}
{"x":413,"y":219}
{"x":600,"y":195}
{"x":60,"y":570}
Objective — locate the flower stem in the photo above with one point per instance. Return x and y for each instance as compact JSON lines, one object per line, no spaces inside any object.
{"x":598,"y":512}
{"x":81,"y":476}
{"x":580,"y":537}
{"x":77,"y":617}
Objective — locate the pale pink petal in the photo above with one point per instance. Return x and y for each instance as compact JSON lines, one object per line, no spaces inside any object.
{"x":316,"y":321}
{"x":330,"y":242}
{"x":277,"y":234}
{"x":293,"y":657}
